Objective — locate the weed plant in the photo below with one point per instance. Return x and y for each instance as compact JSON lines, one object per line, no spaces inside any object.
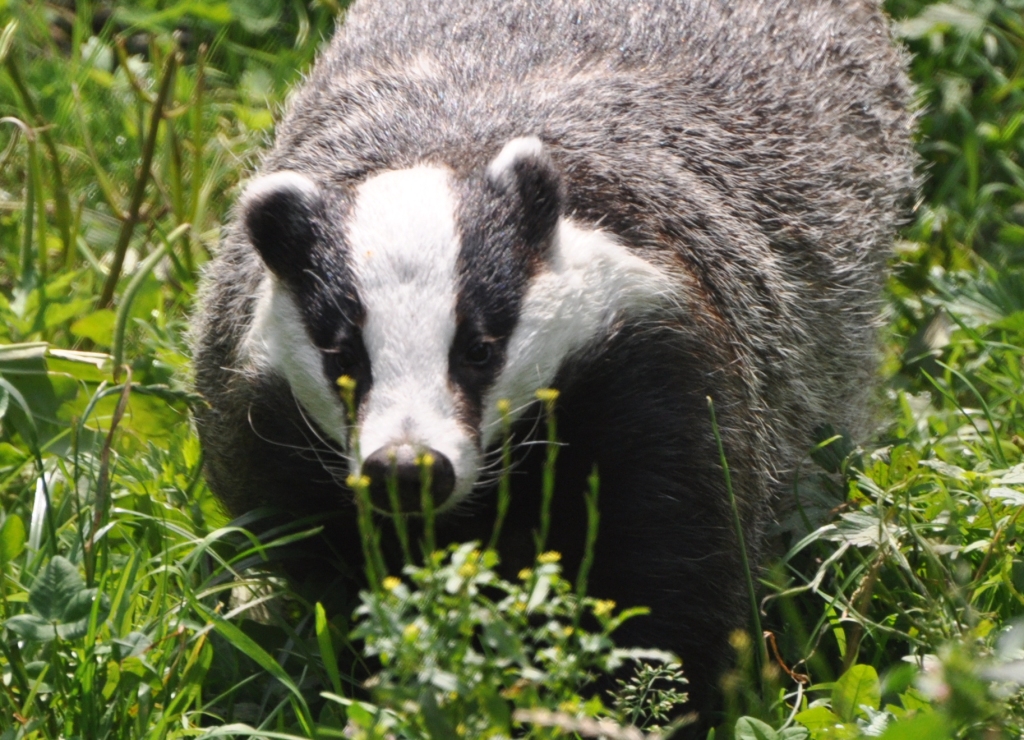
{"x":130,"y":607}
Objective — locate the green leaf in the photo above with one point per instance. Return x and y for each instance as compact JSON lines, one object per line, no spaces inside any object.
{"x":323,"y":638}
{"x":31,"y":627}
{"x":54,"y":589}
{"x":748,"y":728}
{"x":56,"y":314}
{"x":912,"y":699}
{"x":858,"y":687}
{"x":438,"y":725}
{"x":824,"y":724}
{"x":12,"y":538}
{"x":74,"y":622}
{"x":929,"y":726}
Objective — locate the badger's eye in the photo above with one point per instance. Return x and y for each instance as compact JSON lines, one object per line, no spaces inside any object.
{"x":479,"y":353}
{"x":342,"y":360}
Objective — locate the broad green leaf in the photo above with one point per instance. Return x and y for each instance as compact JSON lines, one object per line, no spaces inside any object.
{"x":90,"y":367}
{"x":31,"y":627}
{"x":12,"y":538}
{"x":748,"y":728}
{"x":438,"y":724}
{"x":54,"y":589}
{"x":12,"y":355}
{"x":927,"y":726}
{"x":824,"y":724}
{"x":75,"y":621}
{"x":56,"y":314}
{"x":858,"y":686}
{"x":11,"y":455}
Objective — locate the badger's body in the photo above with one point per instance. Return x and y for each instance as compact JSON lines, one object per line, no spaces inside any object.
{"x":641,"y":204}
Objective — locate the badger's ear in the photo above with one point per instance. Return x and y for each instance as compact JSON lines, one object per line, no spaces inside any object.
{"x":524,"y":170}
{"x":282,"y":214}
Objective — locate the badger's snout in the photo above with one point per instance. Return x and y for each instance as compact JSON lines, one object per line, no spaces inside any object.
{"x":408,"y":468}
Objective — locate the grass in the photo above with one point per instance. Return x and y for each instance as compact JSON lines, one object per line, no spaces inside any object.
{"x":131,"y":607}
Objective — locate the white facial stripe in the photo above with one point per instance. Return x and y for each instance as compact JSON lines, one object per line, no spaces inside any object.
{"x":278,"y":339}
{"x":590,"y":281}
{"x":404,"y":247}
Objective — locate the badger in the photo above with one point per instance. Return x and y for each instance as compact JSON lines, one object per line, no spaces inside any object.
{"x":639,"y":203}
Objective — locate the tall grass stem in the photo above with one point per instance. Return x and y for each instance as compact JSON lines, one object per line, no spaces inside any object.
{"x":549,"y":396}
{"x":755,"y":612}
{"x":129,"y":223}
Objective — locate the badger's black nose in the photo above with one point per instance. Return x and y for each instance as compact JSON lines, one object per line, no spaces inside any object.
{"x":407,"y":467}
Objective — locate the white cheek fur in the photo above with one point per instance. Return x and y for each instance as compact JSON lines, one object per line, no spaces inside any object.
{"x":278,"y":339}
{"x":590,"y":281}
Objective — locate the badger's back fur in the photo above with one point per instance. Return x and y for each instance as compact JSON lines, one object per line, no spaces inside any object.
{"x":642,"y":204}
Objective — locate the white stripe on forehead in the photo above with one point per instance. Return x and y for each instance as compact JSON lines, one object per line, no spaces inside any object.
{"x":404,"y":247}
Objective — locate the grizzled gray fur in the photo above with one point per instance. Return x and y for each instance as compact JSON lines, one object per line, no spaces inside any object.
{"x":756,"y":151}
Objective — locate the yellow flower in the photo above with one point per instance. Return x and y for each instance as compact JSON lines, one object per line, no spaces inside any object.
{"x":739,"y":640}
{"x":346,"y":383}
{"x":603,"y":607}
{"x":504,"y":406}
{"x":426,"y":460}
{"x":468,"y":570}
{"x":525,"y":574}
{"x":549,"y":557}
{"x":358,"y":481}
{"x":410,"y":633}
{"x":391,"y":583}
{"x":547,"y":395}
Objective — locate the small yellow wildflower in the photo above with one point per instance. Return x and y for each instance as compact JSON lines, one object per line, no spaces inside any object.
{"x":739,"y":640}
{"x":603,"y":607}
{"x":426,"y":460}
{"x":549,"y":557}
{"x":391,"y":583}
{"x":525,"y":574}
{"x":358,"y":481}
{"x":468,"y":570}
{"x":547,"y":395}
{"x":504,"y":406}
{"x":410,"y":633}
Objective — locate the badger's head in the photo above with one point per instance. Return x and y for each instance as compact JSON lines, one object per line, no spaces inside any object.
{"x":439,"y":296}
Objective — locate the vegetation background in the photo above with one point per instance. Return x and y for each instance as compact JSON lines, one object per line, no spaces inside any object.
{"x":130,"y":607}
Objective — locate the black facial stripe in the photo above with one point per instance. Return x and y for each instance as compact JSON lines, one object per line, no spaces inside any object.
{"x":494,"y":269}
{"x":326,"y":294}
